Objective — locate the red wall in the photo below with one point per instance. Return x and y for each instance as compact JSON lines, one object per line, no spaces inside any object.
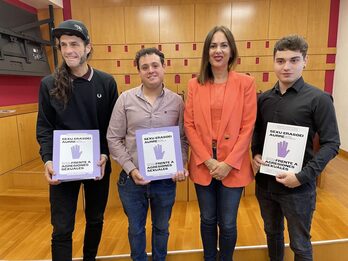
{"x":19,"y":89}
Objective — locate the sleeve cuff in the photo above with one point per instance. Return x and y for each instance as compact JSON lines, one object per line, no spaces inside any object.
{"x":46,"y":157}
{"x":104,"y":156}
{"x":128,"y":167}
{"x":301,"y":178}
{"x":47,"y":162}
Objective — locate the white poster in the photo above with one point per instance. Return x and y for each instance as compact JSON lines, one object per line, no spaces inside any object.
{"x":76,"y":154}
{"x":284,"y":148}
{"x":159,"y":153}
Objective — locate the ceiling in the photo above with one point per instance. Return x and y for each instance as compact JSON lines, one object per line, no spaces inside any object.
{"x":41,"y":4}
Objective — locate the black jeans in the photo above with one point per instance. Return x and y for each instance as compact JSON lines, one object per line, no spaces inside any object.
{"x":298,"y":210}
{"x":63,"y":199}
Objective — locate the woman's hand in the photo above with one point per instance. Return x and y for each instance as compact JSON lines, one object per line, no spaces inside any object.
{"x":221,"y":170}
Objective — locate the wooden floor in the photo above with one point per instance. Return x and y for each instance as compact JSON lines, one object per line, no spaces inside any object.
{"x":26,"y":234}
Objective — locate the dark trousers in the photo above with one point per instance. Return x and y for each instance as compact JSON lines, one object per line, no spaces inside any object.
{"x":298,"y":210}
{"x":63,"y":199}
{"x":218,"y":206}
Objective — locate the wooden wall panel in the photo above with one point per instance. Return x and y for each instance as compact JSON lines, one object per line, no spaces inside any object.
{"x":176,"y":23}
{"x":182,"y":50}
{"x":260,"y":84}
{"x":132,"y":49}
{"x":254,"y":48}
{"x":29,"y":147}
{"x":318,"y":62}
{"x":250,"y":20}
{"x":134,"y":81}
{"x":104,"y":65}
{"x":107,"y":25}
{"x":9,"y":144}
{"x":249,"y":64}
{"x":5,"y":182}
{"x":111,"y":66}
{"x":106,"y":51}
{"x":169,"y":82}
{"x":209,"y":15}
{"x":317,"y":24}
{"x":182,"y":87}
{"x":118,"y":81}
{"x":288,"y":17}
{"x":316,"y":78}
{"x":142,"y":24}
{"x":178,"y":65}
{"x":80,"y":11}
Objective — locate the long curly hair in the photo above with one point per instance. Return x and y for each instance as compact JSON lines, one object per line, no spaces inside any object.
{"x":62,"y":84}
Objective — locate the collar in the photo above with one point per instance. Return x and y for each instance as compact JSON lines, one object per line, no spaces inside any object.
{"x":297,"y":86}
{"x":87,"y":76}
{"x":140,"y":92}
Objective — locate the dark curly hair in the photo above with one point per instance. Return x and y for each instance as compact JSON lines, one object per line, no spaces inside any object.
{"x":292,"y":43}
{"x":148,"y":51}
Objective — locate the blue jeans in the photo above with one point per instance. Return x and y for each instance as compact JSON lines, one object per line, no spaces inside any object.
{"x":298,"y":210}
{"x":218,"y":206}
{"x":160,"y":195}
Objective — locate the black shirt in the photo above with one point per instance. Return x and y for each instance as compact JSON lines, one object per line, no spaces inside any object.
{"x":89,"y":107}
{"x":301,"y":105}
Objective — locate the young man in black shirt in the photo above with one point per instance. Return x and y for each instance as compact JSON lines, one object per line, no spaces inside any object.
{"x":293,"y":195}
{"x":75,"y":97}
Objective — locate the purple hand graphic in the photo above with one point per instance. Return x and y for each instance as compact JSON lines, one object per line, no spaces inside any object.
{"x":158,"y":151}
{"x":282,"y":149}
{"x":75,"y":151}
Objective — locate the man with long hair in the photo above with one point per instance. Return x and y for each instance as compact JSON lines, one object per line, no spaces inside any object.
{"x":75,"y":97}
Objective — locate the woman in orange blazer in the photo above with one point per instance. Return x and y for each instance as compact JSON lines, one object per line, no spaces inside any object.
{"x":219,"y":118}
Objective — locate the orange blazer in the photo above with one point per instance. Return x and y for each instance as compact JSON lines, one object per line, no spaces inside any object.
{"x":235,"y":132}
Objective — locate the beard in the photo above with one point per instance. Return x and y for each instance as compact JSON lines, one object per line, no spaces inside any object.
{"x":83,"y":59}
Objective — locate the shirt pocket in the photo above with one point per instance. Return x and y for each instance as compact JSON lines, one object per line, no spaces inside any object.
{"x":171,"y":116}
